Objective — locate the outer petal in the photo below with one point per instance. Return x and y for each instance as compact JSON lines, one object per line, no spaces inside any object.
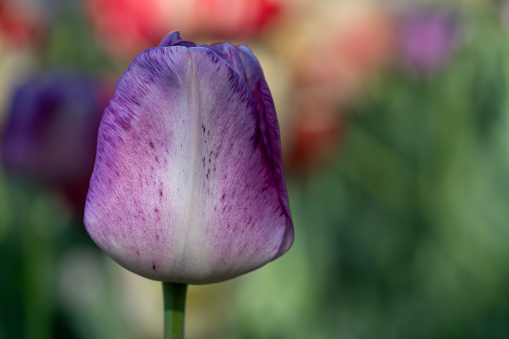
{"x":183,"y":188}
{"x":269,"y":127}
{"x":230,"y":54}
{"x":226,"y":51}
{"x":174,"y":39}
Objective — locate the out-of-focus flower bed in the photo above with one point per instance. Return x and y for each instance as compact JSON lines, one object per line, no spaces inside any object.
{"x":394,"y":119}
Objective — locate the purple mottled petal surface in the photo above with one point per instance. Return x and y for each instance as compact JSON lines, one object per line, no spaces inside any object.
{"x":231,"y":55}
{"x":188,"y":184}
{"x":269,"y":129}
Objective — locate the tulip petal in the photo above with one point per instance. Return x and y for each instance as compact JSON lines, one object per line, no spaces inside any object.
{"x":270,"y":130}
{"x":174,"y":39}
{"x":188,"y":183}
{"x":230,"y":54}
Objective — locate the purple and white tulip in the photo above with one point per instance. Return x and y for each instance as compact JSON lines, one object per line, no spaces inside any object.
{"x":188,"y":184}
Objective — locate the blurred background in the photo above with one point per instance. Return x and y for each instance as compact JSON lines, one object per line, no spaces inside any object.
{"x":394,"y":118}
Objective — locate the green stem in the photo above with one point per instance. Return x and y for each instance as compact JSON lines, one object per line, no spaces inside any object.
{"x":174,"y":307}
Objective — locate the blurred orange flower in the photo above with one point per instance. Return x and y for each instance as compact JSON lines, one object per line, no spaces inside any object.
{"x":339,"y":46}
{"x":333,"y":52}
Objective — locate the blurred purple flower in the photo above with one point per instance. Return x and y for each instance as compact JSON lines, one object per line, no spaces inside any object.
{"x":427,"y":38}
{"x":188,"y":183}
{"x":51,"y":133}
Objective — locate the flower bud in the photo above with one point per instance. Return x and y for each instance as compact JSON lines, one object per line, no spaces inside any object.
{"x":188,"y":183}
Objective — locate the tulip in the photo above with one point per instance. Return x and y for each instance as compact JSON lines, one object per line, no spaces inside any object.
{"x":188,"y":183}
{"x":51,"y":132}
{"x":428,"y":38}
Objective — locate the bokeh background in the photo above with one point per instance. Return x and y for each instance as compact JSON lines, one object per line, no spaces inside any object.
{"x":394,"y":118}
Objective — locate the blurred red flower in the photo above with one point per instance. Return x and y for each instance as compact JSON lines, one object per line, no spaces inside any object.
{"x":132,"y":25}
{"x":332,"y":57}
{"x":316,"y":132}
{"x":20,"y":25}
{"x":126,"y":25}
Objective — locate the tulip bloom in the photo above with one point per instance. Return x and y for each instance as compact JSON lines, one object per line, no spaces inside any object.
{"x":51,"y":132}
{"x":188,"y":183}
{"x":428,"y":38}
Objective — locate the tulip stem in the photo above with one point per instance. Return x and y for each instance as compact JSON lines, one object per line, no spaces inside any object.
{"x":174,"y":307}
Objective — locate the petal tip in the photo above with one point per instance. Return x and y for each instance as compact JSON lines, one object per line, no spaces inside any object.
{"x":174,"y":39}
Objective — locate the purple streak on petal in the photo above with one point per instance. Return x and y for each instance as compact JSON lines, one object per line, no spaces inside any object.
{"x":231,"y":55}
{"x":183,"y":188}
{"x":173,"y":39}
